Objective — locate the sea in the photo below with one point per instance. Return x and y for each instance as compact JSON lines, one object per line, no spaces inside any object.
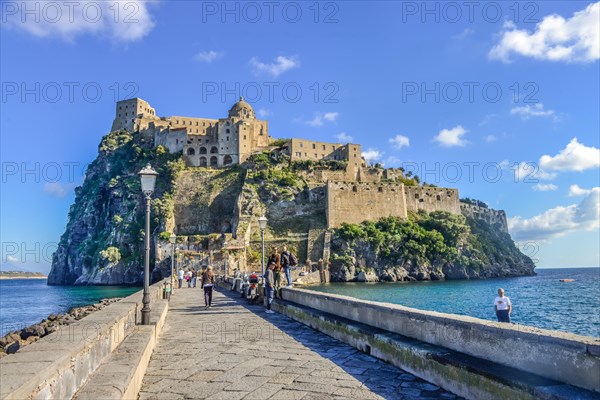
{"x":25,"y":302}
{"x":541,"y":301}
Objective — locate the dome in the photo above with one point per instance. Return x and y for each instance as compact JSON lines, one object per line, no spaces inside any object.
{"x":242,"y":110}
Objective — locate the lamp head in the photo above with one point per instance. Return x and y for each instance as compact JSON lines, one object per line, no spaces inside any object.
{"x":262,"y":223}
{"x":172,"y":238}
{"x":148,"y":179}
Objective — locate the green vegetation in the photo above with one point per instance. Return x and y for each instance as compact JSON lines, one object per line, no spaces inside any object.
{"x":111,"y":254}
{"x":474,"y":202}
{"x":279,"y":142}
{"x":433,"y":239}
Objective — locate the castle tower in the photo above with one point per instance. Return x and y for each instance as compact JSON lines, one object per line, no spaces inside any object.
{"x":128,"y":110}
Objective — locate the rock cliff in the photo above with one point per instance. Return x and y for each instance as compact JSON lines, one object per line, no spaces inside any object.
{"x":103,"y":239}
{"x":433,"y":246}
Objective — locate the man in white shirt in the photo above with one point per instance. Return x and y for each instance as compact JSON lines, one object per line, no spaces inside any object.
{"x":503,"y":306}
{"x":180,"y":277}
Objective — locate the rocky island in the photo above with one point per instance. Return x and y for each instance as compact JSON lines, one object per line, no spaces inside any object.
{"x":217,"y":176}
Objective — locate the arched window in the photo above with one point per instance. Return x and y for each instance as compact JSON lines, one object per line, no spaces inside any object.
{"x":213,"y":161}
{"x":214,"y":150}
{"x":202,"y":150}
{"x":191,"y":151}
{"x":227,"y":160}
{"x":202,"y":162}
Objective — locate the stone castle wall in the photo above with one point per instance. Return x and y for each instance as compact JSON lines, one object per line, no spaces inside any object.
{"x":430,"y":199}
{"x":355,"y":202}
{"x":493,"y":217}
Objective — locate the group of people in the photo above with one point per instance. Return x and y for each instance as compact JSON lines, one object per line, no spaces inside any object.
{"x":278,"y":263}
{"x":207,"y":281}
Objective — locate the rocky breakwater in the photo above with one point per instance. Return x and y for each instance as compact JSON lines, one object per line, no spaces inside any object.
{"x":13,"y":341}
{"x":435,"y":246}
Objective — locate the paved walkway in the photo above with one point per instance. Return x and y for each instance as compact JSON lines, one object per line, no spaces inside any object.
{"x":235,"y":351}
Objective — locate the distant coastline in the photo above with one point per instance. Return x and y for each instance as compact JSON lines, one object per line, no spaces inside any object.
{"x":21,"y":275}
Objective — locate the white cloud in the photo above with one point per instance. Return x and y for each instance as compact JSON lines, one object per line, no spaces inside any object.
{"x":490,"y":138}
{"x":264,"y":112}
{"x":208,"y":56}
{"x":281,"y":65}
{"x":372,"y":155}
{"x":330,"y":116}
{"x":391,"y":161}
{"x":400,"y":141}
{"x":451,"y":137}
{"x":558,"y":221}
{"x":56,"y":189}
{"x":122,"y":21}
{"x":576,"y":191}
{"x":576,"y":39}
{"x":342,"y":137}
{"x":464,"y":34}
{"x":486,"y":119}
{"x":12,"y":259}
{"x":528,"y":172}
{"x":544,"y":187}
{"x":319,"y":118}
{"x":574,"y":157}
{"x":527,"y":111}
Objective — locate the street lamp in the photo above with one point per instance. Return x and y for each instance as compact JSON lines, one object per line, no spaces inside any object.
{"x":262,"y":223}
{"x":148,"y":179}
{"x":172,"y":240}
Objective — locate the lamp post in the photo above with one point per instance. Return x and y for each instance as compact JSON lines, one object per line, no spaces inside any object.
{"x":148,"y":179}
{"x":262,"y":223}
{"x":172,"y":240}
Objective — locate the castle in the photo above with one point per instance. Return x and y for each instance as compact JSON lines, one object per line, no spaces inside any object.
{"x":352,"y":195}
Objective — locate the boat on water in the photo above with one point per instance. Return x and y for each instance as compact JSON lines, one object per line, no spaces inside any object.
{"x":566,"y":280}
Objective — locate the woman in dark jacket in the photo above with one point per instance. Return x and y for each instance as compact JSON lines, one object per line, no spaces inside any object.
{"x":208,"y":281}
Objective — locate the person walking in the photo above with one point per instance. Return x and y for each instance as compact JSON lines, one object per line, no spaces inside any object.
{"x":180,"y":277}
{"x":188,"y":278}
{"x":275,"y":258}
{"x":288,"y":260}
{"x":207,"y":283}
{"x":269,"y":286}
{"x":503,"y":306}
{"x":194,"y":277}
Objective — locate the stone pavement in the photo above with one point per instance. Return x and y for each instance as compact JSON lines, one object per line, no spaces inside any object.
{"x":236,"y":351}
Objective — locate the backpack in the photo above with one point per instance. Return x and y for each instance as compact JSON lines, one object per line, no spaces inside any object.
{"x":293,"y":260}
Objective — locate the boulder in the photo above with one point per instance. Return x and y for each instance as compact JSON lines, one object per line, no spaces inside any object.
{"x":369,"y":276}
{"x":12,"y":348}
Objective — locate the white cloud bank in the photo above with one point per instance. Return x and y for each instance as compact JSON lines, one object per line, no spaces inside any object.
{"x":280,"y":65}
{"x":122,"y":21}
{"x":575,"y":39}
{"x":577,"y":191}
{"x":56,"y":189}
{"x":451,"y":137}
{"x":558,"y":221}
{"x":574,"y":157}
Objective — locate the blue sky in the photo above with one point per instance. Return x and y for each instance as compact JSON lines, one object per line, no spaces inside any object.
{"x":499,"y":100}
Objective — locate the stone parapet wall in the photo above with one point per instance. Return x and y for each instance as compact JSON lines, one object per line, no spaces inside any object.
{"x":564,"y":357}
{"x":60,"y":363}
